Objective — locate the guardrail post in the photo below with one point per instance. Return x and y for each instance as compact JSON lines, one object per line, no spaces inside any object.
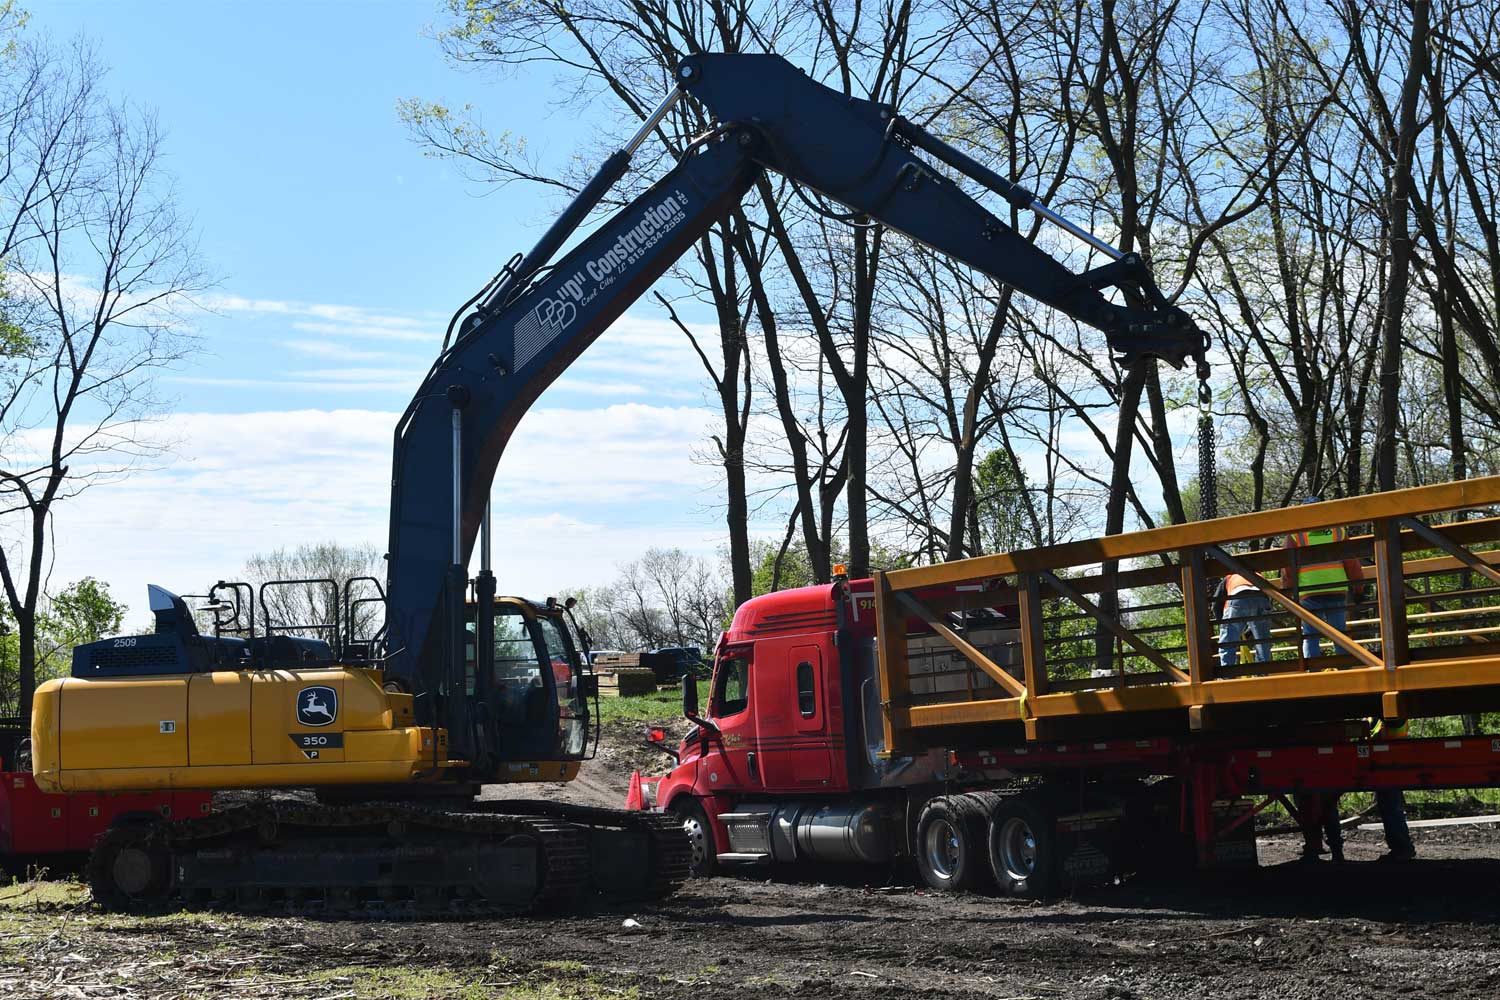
{"x":1395,"y":648}
{"x":895,"y":676}
{"x":1199,"y":632}
{"x":1033,"y":646}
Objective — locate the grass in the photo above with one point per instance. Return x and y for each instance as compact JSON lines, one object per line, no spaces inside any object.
{"x":655,"y":707}
{"x":401,"y":982}
{"x":26,"y":895}
{"x":367,"y":982}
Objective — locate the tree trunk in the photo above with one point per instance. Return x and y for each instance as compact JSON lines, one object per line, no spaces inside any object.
{"x":1401,"y":249}
{"x":1114,"y":514}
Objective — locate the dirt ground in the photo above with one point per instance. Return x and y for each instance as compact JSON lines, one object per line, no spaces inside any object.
{"x":1286,"y":931}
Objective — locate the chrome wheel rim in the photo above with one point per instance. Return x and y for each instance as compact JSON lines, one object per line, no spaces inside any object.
{"x":1017,"y":848}
{"x":943,"y":848}
{"x":698,"y":838}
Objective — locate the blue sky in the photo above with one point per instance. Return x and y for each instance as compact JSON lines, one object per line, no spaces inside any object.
{"x":341,"y":251}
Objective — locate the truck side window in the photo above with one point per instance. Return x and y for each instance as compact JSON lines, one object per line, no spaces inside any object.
{"x":807,"y":697}
{"x":733,"y":694}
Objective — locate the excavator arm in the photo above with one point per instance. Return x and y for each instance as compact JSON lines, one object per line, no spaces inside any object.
{"x":536,"y":318}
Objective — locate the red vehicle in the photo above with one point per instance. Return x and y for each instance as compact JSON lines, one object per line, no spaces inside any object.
{"x":36,"y":825}
{"x":941,"y":714}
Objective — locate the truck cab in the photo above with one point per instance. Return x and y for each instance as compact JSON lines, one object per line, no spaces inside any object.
{"x":785,"y":761}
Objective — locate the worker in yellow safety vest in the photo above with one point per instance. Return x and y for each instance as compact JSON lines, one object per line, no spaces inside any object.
{"x":1322,"y":585}
{"x":1391,"y":803}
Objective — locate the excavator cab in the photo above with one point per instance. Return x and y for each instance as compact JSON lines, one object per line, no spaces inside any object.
{"x":532,"y":698}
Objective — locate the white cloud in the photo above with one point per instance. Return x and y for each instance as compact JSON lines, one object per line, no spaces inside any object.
{"x":578,"y":492}
{"x":569,"y":383}
{"x":360,"y":331}
{"x":336,"y":320}
{"x":343,"y":352}
{"x":303,"y":385}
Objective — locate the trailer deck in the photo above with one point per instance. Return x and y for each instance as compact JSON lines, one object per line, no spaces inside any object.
{"x":1112,"y":638}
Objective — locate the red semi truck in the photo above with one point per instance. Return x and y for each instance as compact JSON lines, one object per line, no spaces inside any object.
{"x":966,"y":717}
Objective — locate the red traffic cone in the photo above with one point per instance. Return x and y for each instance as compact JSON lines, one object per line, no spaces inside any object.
{"x":633,"y":799}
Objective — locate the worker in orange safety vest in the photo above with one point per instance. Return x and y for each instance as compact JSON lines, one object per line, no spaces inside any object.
{"x":1245,"y":612}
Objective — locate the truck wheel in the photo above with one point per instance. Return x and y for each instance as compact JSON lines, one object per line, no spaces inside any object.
{"x":700,"y":835}
{"x":950,"y":844}
{"x":1022,"y":848}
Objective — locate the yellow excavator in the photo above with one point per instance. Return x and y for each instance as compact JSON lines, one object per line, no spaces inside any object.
{"x":397,"y":734}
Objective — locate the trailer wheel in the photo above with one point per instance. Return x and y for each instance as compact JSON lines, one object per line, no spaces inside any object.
{"x":700,"y":834}
{"x":1023,"y":847}
{"x":950,"y":844}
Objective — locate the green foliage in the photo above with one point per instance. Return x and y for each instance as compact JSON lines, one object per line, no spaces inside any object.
{"x":12,"y":20}
{"x":82,"y":613}
{"x":794,"y":570}
{"x":16,"y":344}
{"x":446,"y":132}
{"x":10,"y":658}
{"x":1000,"y":495}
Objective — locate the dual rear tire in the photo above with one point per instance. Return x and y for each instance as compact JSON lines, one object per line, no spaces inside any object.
{"x":983,"y":840}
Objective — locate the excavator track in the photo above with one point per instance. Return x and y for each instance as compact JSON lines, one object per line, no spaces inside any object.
{"x":388,"y":860}
{"x":670,"y":852}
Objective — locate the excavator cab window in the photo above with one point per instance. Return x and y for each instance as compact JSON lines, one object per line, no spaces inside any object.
{"x":534,"y":692}
{"x":572,"y":711}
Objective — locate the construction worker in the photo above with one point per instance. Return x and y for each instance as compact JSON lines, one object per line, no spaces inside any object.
{"x":1391,"y":803}
{"x":1322,"y":587}
{"x":1245,"y":611}
{"x":1318,"y":817}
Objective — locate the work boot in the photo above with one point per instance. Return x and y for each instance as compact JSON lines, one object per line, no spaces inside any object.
{"x":1311,"y":854}
{"x":1336,"y":852}
{"x":1399,"y":855}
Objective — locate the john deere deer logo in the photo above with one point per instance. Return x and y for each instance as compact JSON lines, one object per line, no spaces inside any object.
{"x":317,"y":706}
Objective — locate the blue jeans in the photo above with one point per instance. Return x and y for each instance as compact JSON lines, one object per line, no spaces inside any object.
{"x":1332,"y":608}
{"x":1392,"y":806}
{"x":1245,"y":614}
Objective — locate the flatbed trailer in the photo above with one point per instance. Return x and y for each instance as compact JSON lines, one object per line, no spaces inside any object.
{"x":1061,"y":714}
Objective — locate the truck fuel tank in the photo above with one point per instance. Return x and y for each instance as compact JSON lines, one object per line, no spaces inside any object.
{"x":857,"y":832}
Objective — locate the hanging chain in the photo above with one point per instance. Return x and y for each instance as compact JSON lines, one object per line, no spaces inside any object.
{"x":1208,"y":467}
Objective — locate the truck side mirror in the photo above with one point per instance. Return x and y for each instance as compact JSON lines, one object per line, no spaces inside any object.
{"x":689,"y":696}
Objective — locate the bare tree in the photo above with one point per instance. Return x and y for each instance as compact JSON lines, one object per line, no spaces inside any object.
{"x":100,"y":267}
{"x":315,"y":603}
{"x":666,"y":597}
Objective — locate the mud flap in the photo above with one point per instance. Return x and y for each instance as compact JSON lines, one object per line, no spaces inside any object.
{"x":1235,"y":849}
{"x":1091,"y":845}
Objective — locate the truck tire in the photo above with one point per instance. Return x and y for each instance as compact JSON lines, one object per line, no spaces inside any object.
{"x":700,"y":834}
{"x":949,"y":845}
{"x":1023,"y":847}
